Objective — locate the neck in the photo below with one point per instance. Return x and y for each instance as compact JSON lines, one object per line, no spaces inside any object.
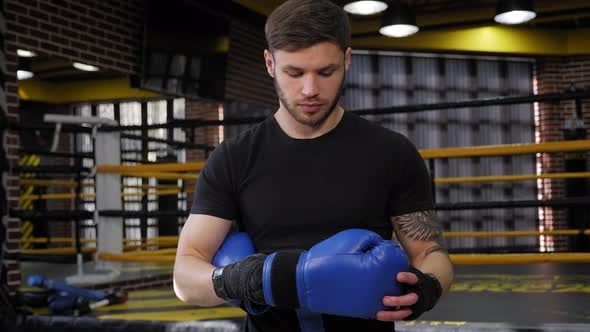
{"x":297,"y":130}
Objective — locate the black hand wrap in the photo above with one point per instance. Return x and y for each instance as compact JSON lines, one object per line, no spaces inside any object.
{"x":427,"y":288}
{"x":241,"y":280}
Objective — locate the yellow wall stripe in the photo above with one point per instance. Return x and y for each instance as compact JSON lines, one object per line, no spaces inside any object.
{"x":71,"y":92}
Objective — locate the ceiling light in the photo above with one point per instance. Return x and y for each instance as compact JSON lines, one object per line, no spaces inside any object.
{"x":514,"y":11}
{"x":399,"y":21}
{"x":365,"y":7}
{"x":399,"y":30}
{"x":25,"y":53}
{"x":24,"y":74}
{"x":85,"y":67}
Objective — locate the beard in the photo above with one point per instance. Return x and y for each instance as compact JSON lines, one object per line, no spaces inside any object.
{"x":315,"y":120}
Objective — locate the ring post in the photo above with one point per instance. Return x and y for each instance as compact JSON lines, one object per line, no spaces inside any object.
{"x":108,"y":195}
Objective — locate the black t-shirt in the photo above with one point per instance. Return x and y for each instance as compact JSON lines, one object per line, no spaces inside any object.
{"x":291,"y":193}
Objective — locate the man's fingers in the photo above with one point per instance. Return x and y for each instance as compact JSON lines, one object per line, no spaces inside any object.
{"x":390,"y":316}
{"x":407,"y":278}
{"x":400,"y":301}
{"x":399,"y":304}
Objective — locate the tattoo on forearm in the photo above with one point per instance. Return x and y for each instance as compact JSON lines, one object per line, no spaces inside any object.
{"x":420,"y":226}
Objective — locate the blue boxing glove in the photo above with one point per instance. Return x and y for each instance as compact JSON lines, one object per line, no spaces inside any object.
{"x":235,"y":247}
{"x":347,"y":274}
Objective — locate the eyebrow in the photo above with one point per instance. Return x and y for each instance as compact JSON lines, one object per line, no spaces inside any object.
{"x":328,"y":67}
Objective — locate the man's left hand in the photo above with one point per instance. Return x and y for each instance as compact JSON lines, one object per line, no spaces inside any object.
{"x":400,"y":305}
{"x":420,"y":292}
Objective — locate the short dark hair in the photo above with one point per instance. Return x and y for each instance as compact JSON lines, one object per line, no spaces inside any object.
{"x":298,"y":24}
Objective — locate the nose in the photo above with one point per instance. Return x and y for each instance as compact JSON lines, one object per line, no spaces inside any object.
{"x":310,"y":86}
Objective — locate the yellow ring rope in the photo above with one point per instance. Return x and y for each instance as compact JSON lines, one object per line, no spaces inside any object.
{"x":174,"y":239}
{"x":90,"y":250}
{"x":458,"y":259}
{"x":151,"y":241}
{"x":160,"y":175}
{"x":508,"y":178}
{"x":74,"y":184}
{"x":514,"y":233}
{"x":506,"y":149}
{"x":482,"y":259}
{"x":164,"y":188}
{"x":140,"y":259}
{"x":62,"y":196}
{"x":165,"y":167}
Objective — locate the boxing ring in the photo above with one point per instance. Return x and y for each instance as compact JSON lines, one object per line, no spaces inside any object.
{"x":504,"y":291}
{"x":499,"y":291}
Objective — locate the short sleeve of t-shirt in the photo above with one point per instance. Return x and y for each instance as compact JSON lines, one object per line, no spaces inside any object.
{"x":413,"y":191}
{"x":214,"y":192}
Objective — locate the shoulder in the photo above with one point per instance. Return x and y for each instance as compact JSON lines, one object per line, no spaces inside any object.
{"x":236,"y":150}
{"x":244,"y":139}
{"x":380,"y":135}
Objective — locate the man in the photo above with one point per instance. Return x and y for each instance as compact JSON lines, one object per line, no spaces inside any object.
{"x":303,"y":175}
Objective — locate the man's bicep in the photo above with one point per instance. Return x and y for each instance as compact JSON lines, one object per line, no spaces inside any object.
{"x":202,"y":235}
{"x":215,"y":191}
{"x":411,"y":189}
{"x":419,"y":233}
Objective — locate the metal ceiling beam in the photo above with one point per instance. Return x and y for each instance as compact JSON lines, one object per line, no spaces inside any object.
{"x":477,"y":17}
{"x":473,"y":31}
{"x":261,"y":7}
{"x":490,"y":39}
{"x":454,"y":16}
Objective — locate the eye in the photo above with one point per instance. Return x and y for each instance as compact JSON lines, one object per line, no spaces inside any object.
{"x":294,"y":74}
{"x":327,"y":73}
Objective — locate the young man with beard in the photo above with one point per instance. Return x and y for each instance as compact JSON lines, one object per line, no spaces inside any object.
{"x":298,"y":178}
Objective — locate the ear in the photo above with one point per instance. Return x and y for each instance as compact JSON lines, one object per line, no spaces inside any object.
{"x":270,"y":63}
{"x":347,"y":58}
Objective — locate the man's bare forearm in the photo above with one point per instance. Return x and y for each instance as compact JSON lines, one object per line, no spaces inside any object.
{"x":439,"y":264}
{"x":193,"y":283}
{"x":421,"y":235}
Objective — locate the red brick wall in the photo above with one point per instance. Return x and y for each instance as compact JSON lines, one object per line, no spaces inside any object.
{"x":246,"y":76}
{"x":557,"y":75}
{"x":554,"y":75}
{"x":105,"y":33}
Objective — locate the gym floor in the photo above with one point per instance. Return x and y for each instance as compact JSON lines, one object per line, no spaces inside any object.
{"x":532,"y":297}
